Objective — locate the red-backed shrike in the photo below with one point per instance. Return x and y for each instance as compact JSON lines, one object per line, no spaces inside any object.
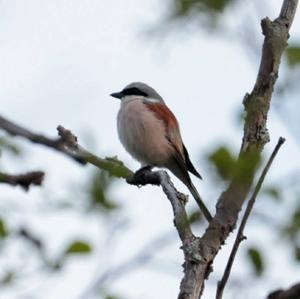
{"x":149,"y":131}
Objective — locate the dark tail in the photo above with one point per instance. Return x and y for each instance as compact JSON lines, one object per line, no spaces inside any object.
{"x":199,"y":201}
{"x":178,"y":167}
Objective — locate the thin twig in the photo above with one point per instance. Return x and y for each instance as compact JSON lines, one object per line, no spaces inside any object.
{"x":112,"y":165}
{"x":240,"y":234}
{"x":257,"y":104}
{"x":54,"y":143}
{"x":67,"y":144}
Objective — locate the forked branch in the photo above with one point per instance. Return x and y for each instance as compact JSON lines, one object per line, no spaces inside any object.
{"x":257,"y":105}
{"x":240,"y":234}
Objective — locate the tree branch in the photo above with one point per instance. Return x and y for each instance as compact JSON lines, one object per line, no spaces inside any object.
{"x":16,"y":130}
{"x":240,"y":234}
{"x":67,"y":143}
{"x":256,"y":135}
{"x":71,"y":147}
{"x":200,"y":252}
{"x":177,"y":200}
{"x":24,"y":180}
{"x":291,"y":293}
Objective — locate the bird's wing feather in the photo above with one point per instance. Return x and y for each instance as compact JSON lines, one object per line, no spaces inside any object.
{"x":163,"y":113}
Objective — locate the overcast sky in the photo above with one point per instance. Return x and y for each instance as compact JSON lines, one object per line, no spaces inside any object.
{"x":60,"y":60}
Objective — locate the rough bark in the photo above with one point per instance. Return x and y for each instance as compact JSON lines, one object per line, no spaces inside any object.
{"x":200,"y":252}
{"x":68,"y":144}
{"x":291,"y":293}
{"x":257,"y":105}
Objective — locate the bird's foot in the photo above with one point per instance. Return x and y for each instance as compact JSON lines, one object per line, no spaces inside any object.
{"x":142,"y":170}
{"x":144,"y":176}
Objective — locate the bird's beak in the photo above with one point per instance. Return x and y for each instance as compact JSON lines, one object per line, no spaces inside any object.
{"x":117,"y":95}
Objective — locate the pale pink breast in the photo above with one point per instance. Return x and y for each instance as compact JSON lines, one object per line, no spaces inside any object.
{"x":142,"y":134}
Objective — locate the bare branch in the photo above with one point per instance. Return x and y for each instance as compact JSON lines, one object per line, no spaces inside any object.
{"x":17,"y":130}
{"x":288,"y":11}
{"x":114,"y":166}
{"x":256,"y":135}
{"x":67,"y":144}
{"x":240,"y":234}
{"x":24,"y":180}
{"x":200,"y":252}
{"x":178,"y":201}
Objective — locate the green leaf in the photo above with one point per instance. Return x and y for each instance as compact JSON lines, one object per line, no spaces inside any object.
{"x":78,"y":247}
{"x":293,"y":55}
{"x":273,"y":192}
{"x":183,"y":7}
{"x":3,"y":229}
{"x":55,"y":265}
{"x":10,"y":146}
{"x":296,"y":218}
{"x":195,"y":216}
{"x":297,"y":253}
{"x":224,"y":161}
{"x":8,"y":278}
{"x":215,"y":5}
{"x":292,"y":229}
{"x":246,"y":166}
{"x":97,"y":189}
{"x":256,"y":260}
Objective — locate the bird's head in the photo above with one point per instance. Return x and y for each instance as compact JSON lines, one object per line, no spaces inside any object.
{"x":138,"y":90}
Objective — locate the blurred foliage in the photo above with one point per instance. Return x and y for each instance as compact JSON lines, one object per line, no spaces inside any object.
{"x":297,"y":253}
{"x":228,"y":167}
{"x":224,"y":161}
{"x":78,"y":247}
{"x":7,"y":278}
{"x":292,"y":228}
{"x":99,"y":185}
{"x":246,"y":165}
{"x":255,"y":257}
{"x":98,"y":189}
{"x":111,"y":297}
{"x":293,"y":55}
{"x":273,"y":192}
{"x":288,"y":85}
{"x":210,"y":10}
{"x":10,"y":146}
{"x":195,"y":216}
{"x":183,"y":7}
{"x":3,"y":229}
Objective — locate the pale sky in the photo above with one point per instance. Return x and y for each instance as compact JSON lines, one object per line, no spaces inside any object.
{"x":59,"y":61}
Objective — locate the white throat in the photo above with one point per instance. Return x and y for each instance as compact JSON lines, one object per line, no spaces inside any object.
{"x":127,"y":99}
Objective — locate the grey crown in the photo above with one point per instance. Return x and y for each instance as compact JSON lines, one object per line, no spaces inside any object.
{"x":151,"y":92}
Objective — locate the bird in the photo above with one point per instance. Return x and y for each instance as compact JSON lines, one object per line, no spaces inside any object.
{"x":150,"y":133}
